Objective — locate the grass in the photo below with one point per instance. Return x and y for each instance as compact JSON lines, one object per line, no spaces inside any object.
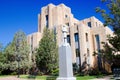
{"x":1,"y":76}
{"x":85,"y":77}
{"x":46,"y":77}
{"x":54,"y":77}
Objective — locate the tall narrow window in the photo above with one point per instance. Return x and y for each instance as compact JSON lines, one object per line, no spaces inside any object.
{"x":88,"y":53}
{"x":77,"y":49}
{"x":68,"y":39}
{"x":76,"y":37}
{"x":98,"y":48}
{"x":89,"y":24}
{"x":31,"y":42}
{"x":77,"y":28}
{"x":96,"y":24}
{"x":77,"y":53}
{"x":46,"y":21}
{"x":97,"y":42}
{"x":86,"y":34}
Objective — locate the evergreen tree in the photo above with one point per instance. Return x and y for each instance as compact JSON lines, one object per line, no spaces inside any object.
{"x":2,"y":59}
{"x":18,"y":49}
{"x":47,"y":52}
{"x":111,"y":16}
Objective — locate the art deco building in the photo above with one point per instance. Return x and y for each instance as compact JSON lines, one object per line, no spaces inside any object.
{"x":84,"y":36}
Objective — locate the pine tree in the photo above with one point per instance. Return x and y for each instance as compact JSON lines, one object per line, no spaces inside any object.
{"x":47,"y":52}
{"x":2,"y":59}
{"x":18,"y":49}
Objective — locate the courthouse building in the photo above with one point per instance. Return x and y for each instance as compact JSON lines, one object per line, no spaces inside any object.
{"x":84,"y":36}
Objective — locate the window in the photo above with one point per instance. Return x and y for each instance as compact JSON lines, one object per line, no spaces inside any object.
{"x":66,"y":16}
{"x":46,"y":21}
{"x":77,"y":53}
{"x":86,"y":34}
{"x":88,"y":53}
{"x":76,"y":37}
{"x":67,"y":24}
{"x":96,"y":24}
{"x":31,"y":42}
{"x":77,"y":27}
{"x":97,"y":41}
{"x":76,"y":41}
{"x":89,"y":24}
{"x":68,"y":39}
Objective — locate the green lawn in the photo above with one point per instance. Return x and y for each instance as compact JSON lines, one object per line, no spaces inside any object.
{"x":54,"y":77}
{"x":4,"y":76}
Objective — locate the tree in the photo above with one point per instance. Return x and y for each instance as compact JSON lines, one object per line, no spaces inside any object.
{"x":47,"y":52}
{"x":2,"y":59}
{"x":18,"y":47}
{"x":111,"y":18}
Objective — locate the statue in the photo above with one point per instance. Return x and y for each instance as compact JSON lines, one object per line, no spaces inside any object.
{"x":65,"y":58}
{"x":64,"y":31}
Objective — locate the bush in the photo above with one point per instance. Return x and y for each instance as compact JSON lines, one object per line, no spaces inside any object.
{"x":75,"y":68}
{"x":94,"y":71}
{"x":40,"y":73}
{"x":55,"y":72}
{"x":13,"y":73}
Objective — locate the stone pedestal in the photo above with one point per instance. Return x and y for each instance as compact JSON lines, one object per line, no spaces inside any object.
{"x":65,"y":63}
{"x":66,"y":78}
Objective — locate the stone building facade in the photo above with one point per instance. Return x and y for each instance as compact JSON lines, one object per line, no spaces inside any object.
{"x":85,"y":36}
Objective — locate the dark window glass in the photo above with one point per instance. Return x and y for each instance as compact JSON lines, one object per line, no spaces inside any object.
{"x":77,"y":53}
{"x":68,"y":39}
{"x":97,"y":41}
{"x":47,"y":21}
{"x":96,"y":24}
{"x":88,"y":53}
{"x":66,"y":16}
{"x":77,"y":27}
{"x":86,"y":34}
{"x":89,"y":24}
{"x":67,"y":24}
{"x":76,"y":37}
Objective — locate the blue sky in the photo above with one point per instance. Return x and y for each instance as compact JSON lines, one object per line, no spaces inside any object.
{"x":22,"y":14}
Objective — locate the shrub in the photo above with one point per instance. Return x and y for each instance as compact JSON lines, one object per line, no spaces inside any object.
{"x":75,"y":68}
{"x":14,"y":73}
{"x":94,"y":71}
{"x":55,"y":72}
{"x":40,"y":73}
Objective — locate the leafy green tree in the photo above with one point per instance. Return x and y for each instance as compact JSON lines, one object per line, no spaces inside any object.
{"x":47,"y":52}
{"x":111,"y":17}
{"x":18,"y":47}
